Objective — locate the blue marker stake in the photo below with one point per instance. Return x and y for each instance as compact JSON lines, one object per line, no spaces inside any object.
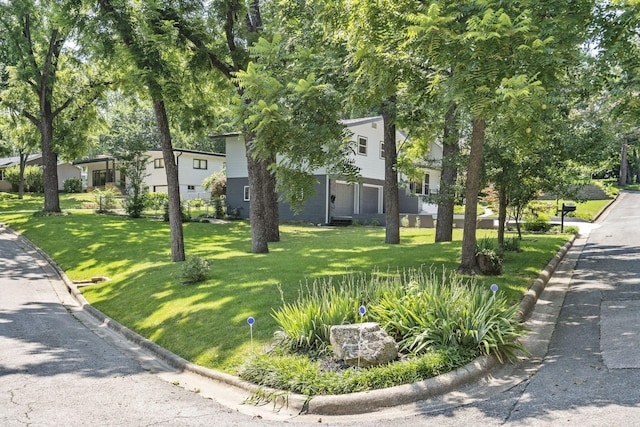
{"x":494,"y":289}
{"x":251,"y":321}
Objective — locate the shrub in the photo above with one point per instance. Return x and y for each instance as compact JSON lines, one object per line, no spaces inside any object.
{"x":135,"y":205}
{"x":72,"y":185}
{"x":539,"y":224}
{"x":157,"y":201}
{"x":218,"y":206}
{"x":106,"y":199}
{"x":33,"y":178}
{"x":512,"y":244}
{"x":194,"y":269}
{"x":184,"y":212}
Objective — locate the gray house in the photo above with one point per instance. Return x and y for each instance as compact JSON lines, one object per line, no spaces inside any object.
{"x":336,"y":201}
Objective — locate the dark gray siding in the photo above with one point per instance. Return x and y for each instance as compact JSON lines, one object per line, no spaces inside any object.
{"x":408,"y":203}
{"x":235,"y":195}
{"x":314,"y":208}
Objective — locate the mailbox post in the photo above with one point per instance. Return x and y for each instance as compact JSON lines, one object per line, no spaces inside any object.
{"x":566,"y":208}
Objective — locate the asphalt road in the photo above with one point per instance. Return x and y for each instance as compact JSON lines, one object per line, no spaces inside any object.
{"x":58,"y":367}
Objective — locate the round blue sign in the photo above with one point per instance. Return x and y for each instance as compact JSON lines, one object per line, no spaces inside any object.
{"x":362,"y":310}
{"x":251,"y":320}
{"x":494,"y":288}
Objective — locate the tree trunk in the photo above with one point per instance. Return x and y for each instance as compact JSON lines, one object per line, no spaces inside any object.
{"x":391,"y":202}
{"x":257,"y":208}
{"x":23,"y":165}
{"x":49,"y":163}
{"x":624,"y":165}
{"x":272,"y":208}
{"x":468,"y":264}
{"x":171,"y":170}
{"x":502,"y":215}
{"x":447,"y":194}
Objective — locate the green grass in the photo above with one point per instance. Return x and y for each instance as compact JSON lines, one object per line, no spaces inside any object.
{"x":35,"y":201}
{"x":206,"y":322}
{"x":585,"y":210}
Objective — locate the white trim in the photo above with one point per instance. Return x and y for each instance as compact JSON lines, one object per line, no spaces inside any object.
{"x":327,"y":203}
{"x":356,"y":199}
{"x":246,"y":195}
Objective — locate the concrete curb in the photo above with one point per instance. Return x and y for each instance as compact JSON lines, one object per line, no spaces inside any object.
{"x":346,"y":404}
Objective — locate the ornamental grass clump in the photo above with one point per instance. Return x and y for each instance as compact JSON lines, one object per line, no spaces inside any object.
{"x":440,"y":321}
{"x":433,"y":311}
{"x":420,"y":310}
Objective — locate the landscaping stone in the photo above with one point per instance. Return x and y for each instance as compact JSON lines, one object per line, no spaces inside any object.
{"x":363,"y":344}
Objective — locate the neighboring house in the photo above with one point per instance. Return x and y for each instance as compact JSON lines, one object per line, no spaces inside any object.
{"x":65,"y":170}
{"x":335,"y":200}
{"x":193,"y":168}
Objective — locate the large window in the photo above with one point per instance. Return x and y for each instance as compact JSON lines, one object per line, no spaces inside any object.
{"x":101,"y":177}
{"x":362,"y":145}
{"x":421,"y":187}
{"x":199,"y":164}
{"x":158,"y":163}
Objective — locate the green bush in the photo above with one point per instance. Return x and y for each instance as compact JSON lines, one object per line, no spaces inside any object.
{"x":33,"y":178}
{"x":184,"y":212}
{"x":157,"y":201}
{"x":194,"y":269}
{"x":72,"y":185}
{"x":107,"y":199}
{"x":135,"y":205}
{"x":537,"y":224}
{"x":512,"y":244}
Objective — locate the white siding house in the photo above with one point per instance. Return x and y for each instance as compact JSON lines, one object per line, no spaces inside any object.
{"x":335,"y":200}
{"x":193,"y":168}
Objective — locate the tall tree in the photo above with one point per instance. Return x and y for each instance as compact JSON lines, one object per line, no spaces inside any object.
{"x":45,"y":76}
{"x":373,"y":34}
{"x":144,"y":35}
{"x":491,"y":45}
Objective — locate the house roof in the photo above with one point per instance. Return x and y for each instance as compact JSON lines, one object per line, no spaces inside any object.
{"x":6,"y":162}
{"x":107,"y":157}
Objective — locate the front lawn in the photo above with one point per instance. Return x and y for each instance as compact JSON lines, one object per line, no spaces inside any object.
{"x":207,"y":322}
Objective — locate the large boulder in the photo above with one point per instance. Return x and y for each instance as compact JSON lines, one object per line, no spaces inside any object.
{"x":363,"y":345}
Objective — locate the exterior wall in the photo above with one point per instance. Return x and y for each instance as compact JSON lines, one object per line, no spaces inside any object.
{"x":314,"y":208}
{"x":65,"y":172}
{"x":362,"y":202}
{"x":236,"y":158}
{"x":235,"y":195}
{"x":189,"y":177}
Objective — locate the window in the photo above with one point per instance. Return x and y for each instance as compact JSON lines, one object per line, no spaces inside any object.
{"x":191,"y":188}
{"x":421,"y":187}
{"x":158,"y":163}
{"x":246,"y":193}
{"x":199,"y":164}
{"x":381,"y":149}
{"x":362,"y":146}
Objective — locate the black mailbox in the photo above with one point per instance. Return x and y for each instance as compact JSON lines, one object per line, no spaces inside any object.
{"x":565,"y":210}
